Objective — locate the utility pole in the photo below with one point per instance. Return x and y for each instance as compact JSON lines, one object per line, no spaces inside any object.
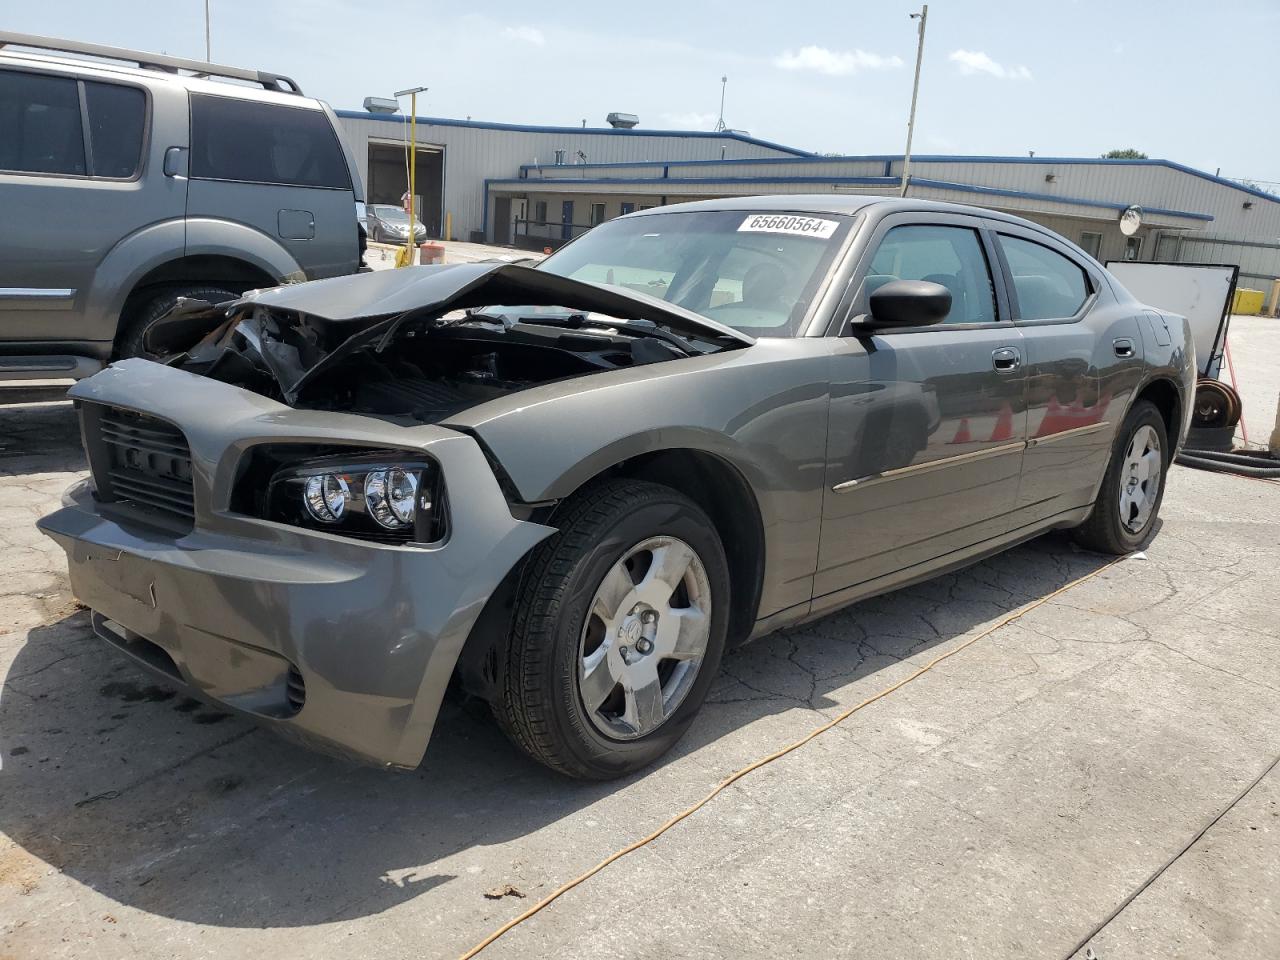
{"x":720,"y":123}
{"x":208,"y":54}
{"x":405,"y":257}
{"x":923,"y":17}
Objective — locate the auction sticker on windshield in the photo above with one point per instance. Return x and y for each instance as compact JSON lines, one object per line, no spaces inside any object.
{"x":786,"y":223}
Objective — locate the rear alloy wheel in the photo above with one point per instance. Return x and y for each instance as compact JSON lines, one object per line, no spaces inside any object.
{"x":1140,"y":479}
{"x":1124,"y":515}
{"x":619,"y":626}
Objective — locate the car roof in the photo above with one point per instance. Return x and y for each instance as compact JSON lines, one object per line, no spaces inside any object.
{"x":847,"y":204}
{"x":109,"y":70}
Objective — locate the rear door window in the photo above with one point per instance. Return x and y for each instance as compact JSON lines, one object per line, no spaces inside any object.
{"x":1048,"y":285}
{"x":264,"y":143}
{"x":117,"y":120}
{"x":951,"y":256}
{"x":40,"y":128}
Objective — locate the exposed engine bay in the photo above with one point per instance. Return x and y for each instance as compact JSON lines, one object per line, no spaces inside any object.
{"x":427,"y":356}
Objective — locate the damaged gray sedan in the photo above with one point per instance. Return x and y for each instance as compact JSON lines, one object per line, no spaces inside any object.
{"x":569,"y":489}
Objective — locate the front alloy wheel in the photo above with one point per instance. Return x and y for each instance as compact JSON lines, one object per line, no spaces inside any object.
{"x":645,"y":638}
{"x":619,"y":623}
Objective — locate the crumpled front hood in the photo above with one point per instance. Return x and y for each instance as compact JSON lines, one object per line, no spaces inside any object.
{"x":354,"y":302}
{"x":302,"y":330}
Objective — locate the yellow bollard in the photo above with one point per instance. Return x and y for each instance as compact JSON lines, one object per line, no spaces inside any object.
{"x":448,"y":226}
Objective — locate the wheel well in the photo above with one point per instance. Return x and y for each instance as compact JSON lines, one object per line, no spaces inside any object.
{"x":230,"y":272}
{"x":1165,"y":396}
{"x":706,"y":479}
{"x":726,"y":497}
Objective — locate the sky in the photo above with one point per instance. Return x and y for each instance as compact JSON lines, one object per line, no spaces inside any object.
{"x":1188,"y":81}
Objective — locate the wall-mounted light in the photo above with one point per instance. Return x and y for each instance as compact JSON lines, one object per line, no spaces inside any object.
{"x":1050,"y":178}
{"x":1248,"y":204}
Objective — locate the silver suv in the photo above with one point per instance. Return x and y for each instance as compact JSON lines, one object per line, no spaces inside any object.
{"x":131,"y":180}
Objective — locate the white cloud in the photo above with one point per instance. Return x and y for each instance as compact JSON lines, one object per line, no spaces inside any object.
{"x":834,"y":63}
{"x":689,"y":121}
{"x":975,"y":61}
{"x":525,"y":35}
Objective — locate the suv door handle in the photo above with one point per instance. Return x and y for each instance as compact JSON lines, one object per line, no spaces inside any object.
{"x":175,"y":162}
{"x":1123,"y":347}
{"x":1006,"y":359}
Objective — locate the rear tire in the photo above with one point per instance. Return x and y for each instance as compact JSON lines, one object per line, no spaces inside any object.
{"x":130,"y":341}
{"x":563,"y":633}
{"x":1124,"y":515}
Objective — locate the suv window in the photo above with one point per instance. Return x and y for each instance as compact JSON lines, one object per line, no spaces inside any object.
{"x":264,"y":143}
{"x":1049,"y":285}
{"x":40,"y":130}
{"x":117,"y":118}
{"x":951,"y":256}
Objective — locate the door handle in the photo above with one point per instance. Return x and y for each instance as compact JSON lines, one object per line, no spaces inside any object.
{"x":175,"y":162}
{"x":1006,"y":359}
{"x":1123,"y":347}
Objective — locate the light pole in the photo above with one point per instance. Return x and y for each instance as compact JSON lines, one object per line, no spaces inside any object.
{"x":923,"y":17}
{"x":208,"y":55}
{"x":405,"y":257}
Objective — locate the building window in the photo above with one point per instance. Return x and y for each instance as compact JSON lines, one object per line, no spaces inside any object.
{"x":628,"y":207}
{"x":597,"y":214}
{"x":540,"y":212}
{"x":1132,"y":248}
{"x":1091,"y":243}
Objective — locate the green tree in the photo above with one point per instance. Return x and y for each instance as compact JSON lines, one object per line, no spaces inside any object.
{"x":1128,"y":153}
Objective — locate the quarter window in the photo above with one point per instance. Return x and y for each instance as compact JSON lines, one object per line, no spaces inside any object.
{"x":1049,"y":286}
{"x":264,"y":143}
{"x":40,"y":128}
{"x":951,"y":256}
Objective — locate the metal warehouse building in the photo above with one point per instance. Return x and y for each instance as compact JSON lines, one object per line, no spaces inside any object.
{"x":540,"y":186}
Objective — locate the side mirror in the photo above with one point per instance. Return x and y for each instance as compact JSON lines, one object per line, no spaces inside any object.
{"x":908,"y":303}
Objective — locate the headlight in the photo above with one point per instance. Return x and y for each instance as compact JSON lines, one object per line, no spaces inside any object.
{"x":383,"y":498}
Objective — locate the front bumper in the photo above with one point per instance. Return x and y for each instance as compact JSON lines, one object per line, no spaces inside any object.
{"x":251,"y":613}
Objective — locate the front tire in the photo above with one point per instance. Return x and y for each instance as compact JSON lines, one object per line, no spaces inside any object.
{"x":1124,"y":515}
{"x":619,"y":626}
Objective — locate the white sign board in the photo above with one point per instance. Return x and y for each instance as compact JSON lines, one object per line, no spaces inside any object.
{"x":1198,"y":292}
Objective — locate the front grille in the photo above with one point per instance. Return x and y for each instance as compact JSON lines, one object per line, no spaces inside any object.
{"x":143,"y":462}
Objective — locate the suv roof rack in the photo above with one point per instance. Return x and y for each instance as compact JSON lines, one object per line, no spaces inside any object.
{"x":151,"y":61}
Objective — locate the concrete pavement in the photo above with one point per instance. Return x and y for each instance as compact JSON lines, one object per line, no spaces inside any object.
{"x":1001,"y":805}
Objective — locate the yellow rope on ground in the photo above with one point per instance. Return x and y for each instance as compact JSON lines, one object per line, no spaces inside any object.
{"x":757,"y":764}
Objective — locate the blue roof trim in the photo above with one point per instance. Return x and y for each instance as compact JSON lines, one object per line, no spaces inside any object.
{"x":1049,"y":198}
{"x":943,"y":158}
{"x":524,"y":182}
{"x":591,"y":131}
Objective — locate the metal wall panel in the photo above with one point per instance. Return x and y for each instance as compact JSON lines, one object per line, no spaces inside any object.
{"x":474,"y":154}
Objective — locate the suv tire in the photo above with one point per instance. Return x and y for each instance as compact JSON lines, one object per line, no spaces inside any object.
{"x":579,"y":629}
{"x":129,"y":343}
{"x":1124,"y":514}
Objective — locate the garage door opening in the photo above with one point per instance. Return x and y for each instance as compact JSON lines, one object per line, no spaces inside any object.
{"x":389,"y":179}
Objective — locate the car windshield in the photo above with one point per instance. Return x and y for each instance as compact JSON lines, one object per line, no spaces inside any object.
{"x":756,"y":272}
{"x":391,"y":214}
